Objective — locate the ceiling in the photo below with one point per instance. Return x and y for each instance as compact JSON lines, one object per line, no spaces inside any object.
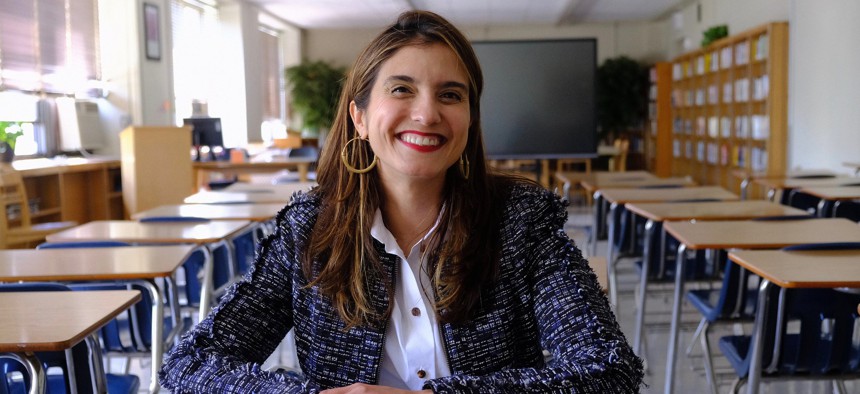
{"x":320,"y":14}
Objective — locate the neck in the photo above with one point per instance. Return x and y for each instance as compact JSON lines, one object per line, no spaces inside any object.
{"x":410,"y":209}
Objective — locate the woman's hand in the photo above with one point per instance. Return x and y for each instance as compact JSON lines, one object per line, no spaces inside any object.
{"x":361,"y":388}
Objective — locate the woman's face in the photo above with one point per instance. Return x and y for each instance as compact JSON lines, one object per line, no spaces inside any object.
{"x":417,"y":119}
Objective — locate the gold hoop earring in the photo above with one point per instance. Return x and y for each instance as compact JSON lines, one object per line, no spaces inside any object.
{"x":344,"y":152}
{"x":464,"y":166}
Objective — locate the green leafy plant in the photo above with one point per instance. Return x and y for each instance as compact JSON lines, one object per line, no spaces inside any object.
{"x":9,"y":133}
{"x":714,"y":33}
{"x":315,"y":87}
{"x":622,"y":96}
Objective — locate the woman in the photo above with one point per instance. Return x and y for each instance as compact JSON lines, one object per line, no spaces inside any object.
{"x":411,"y":267}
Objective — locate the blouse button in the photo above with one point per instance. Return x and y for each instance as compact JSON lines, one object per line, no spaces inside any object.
{"x":416,"y":312}
{"x":421,"y":373}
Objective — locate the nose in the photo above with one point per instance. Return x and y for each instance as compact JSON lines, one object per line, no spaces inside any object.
{"x":425,"y":110}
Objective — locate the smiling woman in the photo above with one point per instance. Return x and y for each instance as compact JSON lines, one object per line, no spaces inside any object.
{"x":411,"y":263}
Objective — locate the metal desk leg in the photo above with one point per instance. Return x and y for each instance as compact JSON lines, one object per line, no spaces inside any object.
{"x":206,"y":286}
{"x":745,"y":185}
{"x":34,"y":368}
{"x":157,"y":332}
{"x":597,"y":201}
{"x":97,"y":363}
{"x":672,"y":354}
{"x":610,"y":257}
{"x":758,"y":337}
{"x":643,"y":284}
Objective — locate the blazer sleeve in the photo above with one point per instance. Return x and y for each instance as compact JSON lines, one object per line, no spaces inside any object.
{"x":589,"y":352}
{"x":225,"y":351}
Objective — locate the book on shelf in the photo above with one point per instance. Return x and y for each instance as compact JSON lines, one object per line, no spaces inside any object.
{"x":713,"y":127}
{"x":727,"y":92}
{"x":726,"y":127}
{"x":726,"y":57}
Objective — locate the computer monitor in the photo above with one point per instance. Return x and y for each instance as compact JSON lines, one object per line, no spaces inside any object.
{"x":206,"y":131}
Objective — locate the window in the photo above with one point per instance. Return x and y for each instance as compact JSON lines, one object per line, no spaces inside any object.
{"x":273,"y":81}
{"x":195,"y":33}
{"x":49,"y":46}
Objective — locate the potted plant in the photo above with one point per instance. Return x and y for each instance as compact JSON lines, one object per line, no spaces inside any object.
{"x":622,"y":97}
{"x":9,"y":133}
{"x":315,"y":87}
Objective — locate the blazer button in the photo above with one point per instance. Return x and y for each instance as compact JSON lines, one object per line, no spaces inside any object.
{"x":421,"y":373}
{"x":416,"y":312}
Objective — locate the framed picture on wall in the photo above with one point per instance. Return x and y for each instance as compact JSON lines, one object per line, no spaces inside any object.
{"x":151,"y":32}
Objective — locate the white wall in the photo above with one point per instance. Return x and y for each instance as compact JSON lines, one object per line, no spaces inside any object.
{"x":824,"y":84}
{"x":642,"y":41}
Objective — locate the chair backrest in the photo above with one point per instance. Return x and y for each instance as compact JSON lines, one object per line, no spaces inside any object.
{"x":622,"y":145}
{"x":94,"y":244}
{"x":804,"y":201}
{"x":14,"y":206}
{"x":816,"y":334}
{"x":847,"y":209}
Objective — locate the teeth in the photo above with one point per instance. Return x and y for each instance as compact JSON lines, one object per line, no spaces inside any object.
{"x":421,"y":141}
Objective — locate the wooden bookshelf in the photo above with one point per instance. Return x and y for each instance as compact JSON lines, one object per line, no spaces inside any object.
{"x":658,"y":138}
{"x":730,"y":107}
{"x":74,"y":189}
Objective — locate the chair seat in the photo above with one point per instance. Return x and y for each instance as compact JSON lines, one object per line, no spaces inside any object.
{"x":705,"y":300}
{"x":122,"y":384}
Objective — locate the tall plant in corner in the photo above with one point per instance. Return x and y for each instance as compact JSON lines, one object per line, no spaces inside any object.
{"x":9,"y":133}
{"x":315,"y":87}
{"x":622,"y":96}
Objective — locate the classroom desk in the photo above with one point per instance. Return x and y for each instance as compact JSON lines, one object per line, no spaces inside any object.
{"x":281,"y":188}
{"x":795,"y":269}
{"x":832,"y":194}
{"x":619,"y":197}
{"x":569,"y":178}
{"x":747,"y":177}
{"x":56,"y":321}
{"x":133,"y":232}
{"x":252,"y":212}
{"x":774,"y":184}
{"x":661,"y":212}
{"x":139,"y":264}
{"x":202,"y":169}
{"x":853,"y":164}
{"x":259,"y":195}
{"x":703,"y":235}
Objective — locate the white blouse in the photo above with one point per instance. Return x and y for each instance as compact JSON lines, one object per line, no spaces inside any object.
{"x":413,"y":350}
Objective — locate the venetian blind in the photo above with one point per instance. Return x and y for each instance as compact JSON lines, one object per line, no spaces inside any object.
{"x":49,"y":46}
{"x":271,"y":75}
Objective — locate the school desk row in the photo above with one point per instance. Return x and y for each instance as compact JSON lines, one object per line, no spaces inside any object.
{"x":162,"y":240}
{"x":709,"y":218}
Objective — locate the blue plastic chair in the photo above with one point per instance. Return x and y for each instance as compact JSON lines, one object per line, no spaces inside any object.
{"x":83,"y":355}
{"x":813,"y":337}
{"x":847,"y":209}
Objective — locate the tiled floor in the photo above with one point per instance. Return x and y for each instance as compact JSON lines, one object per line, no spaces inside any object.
{"x":689,"y":374}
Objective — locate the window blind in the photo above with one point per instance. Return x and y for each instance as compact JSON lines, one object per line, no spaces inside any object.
{"x":49,"y":46}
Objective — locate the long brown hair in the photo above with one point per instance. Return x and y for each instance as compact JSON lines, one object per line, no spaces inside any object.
{"x":468,"y":229}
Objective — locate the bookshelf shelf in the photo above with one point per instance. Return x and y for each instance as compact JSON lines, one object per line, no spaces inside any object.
{"x":729,"y":107}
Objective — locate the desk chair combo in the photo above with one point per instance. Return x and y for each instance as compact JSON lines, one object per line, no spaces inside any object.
{"x":78,"y":367}
{"x":16,"y":226}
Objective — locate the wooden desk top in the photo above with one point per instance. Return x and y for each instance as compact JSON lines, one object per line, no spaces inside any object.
{"x":283,"y":189}
{"x":625,"y":195}
{"x":252,"y":212}
{"x":57,"y":320}
{"x":592,"y":186}
{"x":163,"y":232}
{"x":742,"y":173}
{"x":834,"y":193}
{"x":133,"y":262}
{"x":799,"y":269}
{"x":207,"y":197}
{"x":722,"y":210}
{"x":747,"y":234}
{"x":781,"y":183}
{"x":280,"y":163}
{"x":603,"y":176}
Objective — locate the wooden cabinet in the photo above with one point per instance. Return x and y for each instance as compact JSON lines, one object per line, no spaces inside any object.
{"x":75,"y":189}
{"x":730,"y":104}
{"x":156,"y":166}
{"x":658,"y":137}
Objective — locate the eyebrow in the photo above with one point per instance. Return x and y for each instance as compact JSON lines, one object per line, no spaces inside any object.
{"x":408,"y":79}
